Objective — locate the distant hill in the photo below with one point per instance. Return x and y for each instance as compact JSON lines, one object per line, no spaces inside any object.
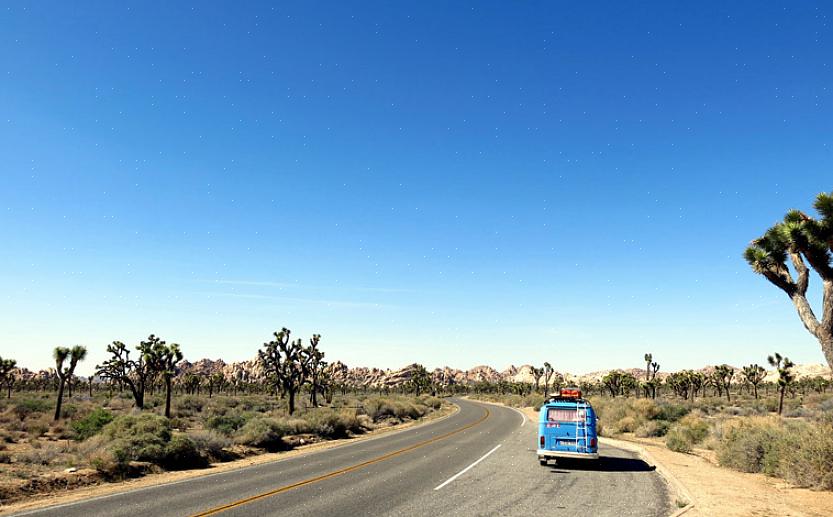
{"x":253,"y":371}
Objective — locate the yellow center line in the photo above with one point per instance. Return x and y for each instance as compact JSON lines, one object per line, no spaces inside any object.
{"x":286,"y":488}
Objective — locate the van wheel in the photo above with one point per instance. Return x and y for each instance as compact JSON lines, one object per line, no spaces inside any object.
{"x":542,"y":462}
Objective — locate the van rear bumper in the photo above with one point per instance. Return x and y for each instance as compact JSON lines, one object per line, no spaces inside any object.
{"x":543,"y":453}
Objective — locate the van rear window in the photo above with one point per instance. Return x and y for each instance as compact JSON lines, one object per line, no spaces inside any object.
{"x":565,"y":415}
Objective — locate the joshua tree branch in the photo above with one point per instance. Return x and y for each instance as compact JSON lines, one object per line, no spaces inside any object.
{"x":803,"y":273}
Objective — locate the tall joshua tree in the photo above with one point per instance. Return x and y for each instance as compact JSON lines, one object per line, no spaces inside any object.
{"x":537,"y":373}
{"x":548,"y":371}
{"x":803,"y":240}
{"x":785,"y":376}
{"x":648,"y":359}
{"x":314,"y":364}
{"x":754,"y":375}
{"x":65,"y":372}
{"x":282,"y":359}
{"x":7,"y":367}
{"x":162,"y":359}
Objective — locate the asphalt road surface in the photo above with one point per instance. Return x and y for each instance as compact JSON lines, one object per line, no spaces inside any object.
{"x":479,"y":461}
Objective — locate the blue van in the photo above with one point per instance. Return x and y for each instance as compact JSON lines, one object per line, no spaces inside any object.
{"x":567,"y":427}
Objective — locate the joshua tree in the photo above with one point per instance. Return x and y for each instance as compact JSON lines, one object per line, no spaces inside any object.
{"x":754,"y":375}
{"x":163,"y":359}
{"x":722,"y":377}
{"x":651,"y":369}
{"x":65,"y":372}
{"x":420,"y":379}
{"x":537,"y":373}
{"x":7,"y":367}
{"x":548,"y":371}
{"x":215,"y":381}
{"x":804,"y":240}
{"x":282,"y":359}
{"x":613,"y":382}
{"x":785,"y":376}
{"x":313,"y":365}
{"x":136,"y":374}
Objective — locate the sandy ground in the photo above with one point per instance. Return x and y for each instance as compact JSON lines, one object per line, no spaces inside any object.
{"x":42,"y":500}
{"x":719,"y":491}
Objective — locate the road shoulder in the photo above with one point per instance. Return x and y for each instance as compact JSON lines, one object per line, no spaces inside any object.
{"x":715,"y":490}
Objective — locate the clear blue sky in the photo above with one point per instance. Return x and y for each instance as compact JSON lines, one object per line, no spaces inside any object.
{"x":451,"y":183}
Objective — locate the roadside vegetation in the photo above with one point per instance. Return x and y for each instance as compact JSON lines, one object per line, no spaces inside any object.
{"x":781,"y":428}
{"x":139,"y":415}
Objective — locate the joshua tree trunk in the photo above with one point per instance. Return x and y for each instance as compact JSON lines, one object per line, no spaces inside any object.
{"x":60,"y":399}
{"x":291,"y":401}
{"x":167,"y":396}
{"x":755,"y":390}
{"x":781,"y":400}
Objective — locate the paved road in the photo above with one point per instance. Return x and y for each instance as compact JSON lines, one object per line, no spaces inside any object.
{"x":410,"y":473}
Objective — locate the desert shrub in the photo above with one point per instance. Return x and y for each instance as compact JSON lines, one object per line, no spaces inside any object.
{"x":652,"y":428}
{"x":38,"y":426}
{"x":626,"y":424}
{"x":695,"y":426}
{"x":38,"y":456}
{"x":379,"y":408}
{"x":137,"y":438}
{"x":799,"y":412}
{"x":687,"y":432}
{"x":678,"y":440}
{"x":211,"y":444}
{"x":91,"y":424}
{"x":27,"y":407}
{"x":189,"y":405}
{"x":181,"y":453}
{"x":5,"y":457}
{"x":750,"y":445}
{"x":328,"y":423}
{"x":431,"y":402}
{"x":263,"y":432}
{"x":366,"y":422}
{"x":405,"y":409}
{"x":69,"y":410}
{"x":226,"y":424}
{"x":806,"y":455}
{"x":672,"y":412}
{"x":826,"y":405}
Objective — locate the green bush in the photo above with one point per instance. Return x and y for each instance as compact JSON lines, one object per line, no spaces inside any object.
{"x":181,"y":453}
{"x":672,"y":412}
{"x":264,"y":433}
{"x":27,"y":407}
{"x":138,"y":438}
{"x":226,"y":424}
{"x":91,"y":424}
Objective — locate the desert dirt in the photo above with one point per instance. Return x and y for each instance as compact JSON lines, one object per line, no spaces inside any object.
{"x":98,"y":490}
{"x":720,"y":491}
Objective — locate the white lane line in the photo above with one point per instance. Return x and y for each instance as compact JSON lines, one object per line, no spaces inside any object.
{"x":455,"y":476}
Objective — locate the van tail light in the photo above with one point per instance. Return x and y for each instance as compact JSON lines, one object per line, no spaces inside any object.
{"x":542,"y":441}
{"x":592,"y":442}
